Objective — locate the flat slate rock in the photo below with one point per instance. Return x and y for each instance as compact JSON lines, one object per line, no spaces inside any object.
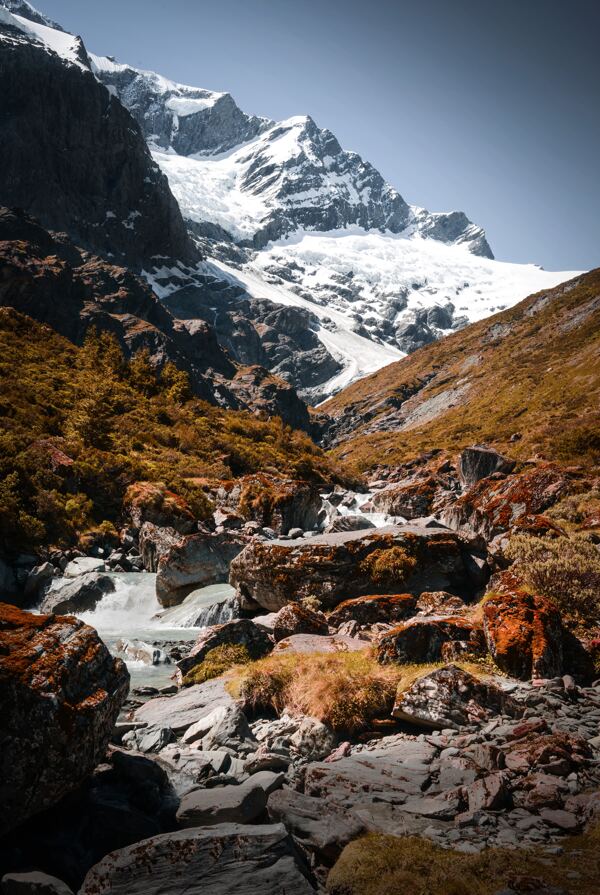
{"x":228,"y":859}
{"x":186,"y":707}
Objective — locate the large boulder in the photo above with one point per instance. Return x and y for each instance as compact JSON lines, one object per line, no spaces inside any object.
{"x":524,"y":632}
{"x":320,"y":828}
{"x":480,"y":461}
{"x":237,"y":804}
{"x":81,"y":594}
{"x":297,"y":619}
{"x":239,"y":632}
{"x":60,"y":695}
{"x":184,"y":708}
{"x":498,"y":503}
{"x":340,"y":566}
{"x":386,"y":608}
{"x":196,"y":561}
{"x":153,"y":502}
{"x":81,"y":565}
{"x":409,"y":500}
{"x":280,"y":504}
{"x":429,"y":639}
{"x":450,"y":697}
{"x":228,"y":859}
{"x":33,"y":883}
{"x":154,"y":542}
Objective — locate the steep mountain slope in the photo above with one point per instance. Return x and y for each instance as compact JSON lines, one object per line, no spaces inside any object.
{"x":105,"y":190}
{"x":55,"y":282}
{"x":525,"y":380}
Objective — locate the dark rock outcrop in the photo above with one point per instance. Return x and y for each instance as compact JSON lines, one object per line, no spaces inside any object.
{"x":524,"y":632}
{"x":451,"y":697}
{"x":387,"y":608}
{"x":239,"y":632}
{"x":60,"y":694}
{"x":74,"y":157}
{"x":427,"y":639}
{"x":479,"y":461}
{"x":80,"y":594}
{"x":297,"y":619}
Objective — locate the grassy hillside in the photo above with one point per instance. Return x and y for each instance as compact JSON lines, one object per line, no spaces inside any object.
{"x":526,"y":380}
{"x":78,"y":425}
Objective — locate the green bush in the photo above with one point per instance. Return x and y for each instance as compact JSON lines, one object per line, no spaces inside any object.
{"x":216,"y":662}
{"x":389,"y":567}
{"x":566,"y":570}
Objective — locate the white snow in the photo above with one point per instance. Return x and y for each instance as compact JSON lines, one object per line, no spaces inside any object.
{"x":65,"y":45}
{"x":359,"y":355}
{"x":382,"y":265}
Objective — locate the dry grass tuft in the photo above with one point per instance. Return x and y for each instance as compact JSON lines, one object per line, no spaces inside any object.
{"x":346,"y":691}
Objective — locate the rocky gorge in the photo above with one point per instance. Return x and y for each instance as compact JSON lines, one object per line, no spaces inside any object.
{"x":399,"y":679}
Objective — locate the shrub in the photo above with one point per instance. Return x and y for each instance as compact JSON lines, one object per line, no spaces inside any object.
{"x":344,"y":690}
{"x":566,"y":570}
{"x":216,"y":662}
{"x":389,"y":567}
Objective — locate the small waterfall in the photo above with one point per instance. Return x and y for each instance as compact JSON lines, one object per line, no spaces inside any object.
{"x":212,"y":605}
{"x":129,"y":609}
{"x":353,"y":503}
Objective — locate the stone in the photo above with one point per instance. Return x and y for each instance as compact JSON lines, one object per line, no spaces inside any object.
{"x":34,"y":883}
{"x":523,"y":631}
{"x":238,"y":632}
{"x":349,"y":523}
{"x":452,"y":698}
{"x":148,"y":739}
{"x":564,"y":820}
{"x":313,"y":643}
{"x":220,"y":860}
{"x":60,"y":695}
{"x":489,"y":793}
{"x":440,"y":603}
{"x":284,"y":505}
{"x":295,"y":533}
{"x":497,"y":503}
{"x":139,"y":651}
{"x":345,"y":565}
{"x":197,"y":560}
{"x":322,"y":828}
{"x":422,"y":639}
{"x":80,"y":594}
{"x":433,"y":807}
{"x":226,"y":727}
{"x":411,"y":500}
{"x":313,"y":739}
{"x":222,"y":805}
{"x":368,"y":610}
{"x":82,"y":564}
{"x":37,"y":579}
{"x":480,"y":461}
{"x":186,"y":707}
{"x":297,"y":619}
{"x":155,"y":542}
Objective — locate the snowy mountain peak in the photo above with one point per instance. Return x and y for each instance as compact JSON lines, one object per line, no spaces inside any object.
{"x":68,"y":46}
{"x":27,"y":11}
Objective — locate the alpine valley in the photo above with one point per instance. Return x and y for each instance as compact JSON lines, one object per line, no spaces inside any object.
{"x":299,"y":512}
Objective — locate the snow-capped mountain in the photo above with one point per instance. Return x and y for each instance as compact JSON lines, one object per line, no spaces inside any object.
{"x":314,"y":225}
{"x":261,"y":180}
{"x":286,"y":218}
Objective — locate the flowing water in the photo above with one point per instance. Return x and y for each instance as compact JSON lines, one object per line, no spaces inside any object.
{"x":133,"y":612}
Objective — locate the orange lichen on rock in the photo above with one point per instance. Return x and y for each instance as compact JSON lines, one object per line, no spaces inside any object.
{"x":523,"y":631}
{"x":60,"y":695}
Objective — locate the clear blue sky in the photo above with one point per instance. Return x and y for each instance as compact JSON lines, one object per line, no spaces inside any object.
{"x":489,"y":106}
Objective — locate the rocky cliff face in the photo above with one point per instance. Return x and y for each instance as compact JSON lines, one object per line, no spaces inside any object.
{"x":77,"y":159}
